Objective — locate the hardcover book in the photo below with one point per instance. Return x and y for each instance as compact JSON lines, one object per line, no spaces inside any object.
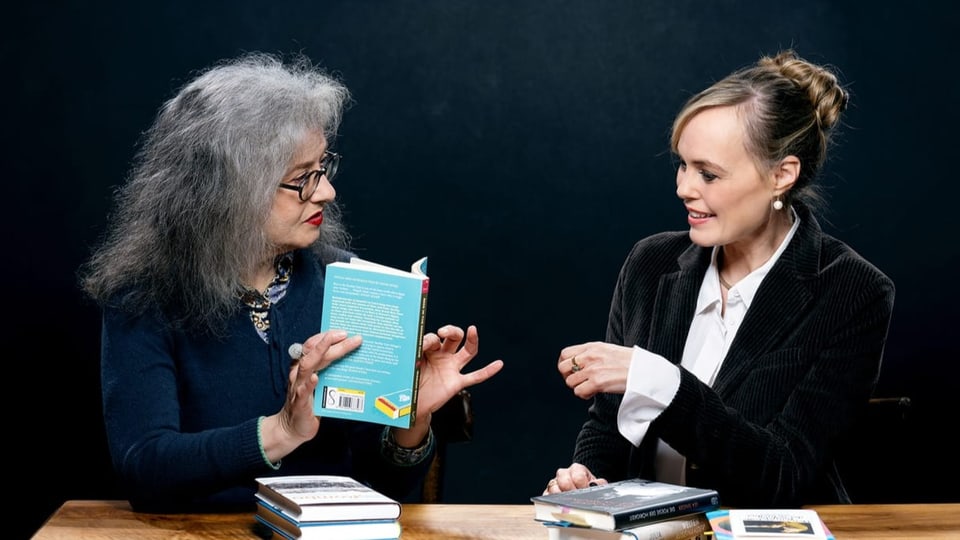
{"x":282,"y":526}
{"x":325,"y":498}
{"x":378,"y":381}
{"x":786,"y":524}
{"x":691,"y":527}
{"x":623,"y":504}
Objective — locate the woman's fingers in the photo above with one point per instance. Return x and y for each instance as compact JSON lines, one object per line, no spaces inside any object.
{"x":450,"y":338}
{"x":323,"y":349}
{"x":576,"y":476}
{"x":482,"y":374}
{"x":431,"y":342}
{"x":318,"y":352}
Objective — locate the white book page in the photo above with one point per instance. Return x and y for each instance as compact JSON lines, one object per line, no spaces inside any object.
{"x":414,"y":268}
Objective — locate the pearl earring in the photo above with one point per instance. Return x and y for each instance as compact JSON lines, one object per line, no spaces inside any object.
{"x":777,"y":203}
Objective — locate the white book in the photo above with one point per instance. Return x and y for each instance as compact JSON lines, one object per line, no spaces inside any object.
{"x":694,"y":527}
{"x":325,"y":498}
{"x":282,"y":526}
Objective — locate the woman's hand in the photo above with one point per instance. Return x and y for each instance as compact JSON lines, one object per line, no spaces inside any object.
{"x":440,"y":376}
{"x":595,"y":367}
{"x":575,"y":476}
{"x":443,"y":358}
{"x":296,"y":423}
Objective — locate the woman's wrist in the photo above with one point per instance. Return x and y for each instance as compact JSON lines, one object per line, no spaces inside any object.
{"x":413,"y":436}
{"x":263,"y":452}
{"x":405,"y":456}
{"x":276,"y":441}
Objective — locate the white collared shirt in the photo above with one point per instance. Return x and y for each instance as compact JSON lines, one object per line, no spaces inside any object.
{"x":653,"y":381}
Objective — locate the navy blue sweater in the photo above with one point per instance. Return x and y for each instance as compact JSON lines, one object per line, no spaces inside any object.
{"x":181,"y":408}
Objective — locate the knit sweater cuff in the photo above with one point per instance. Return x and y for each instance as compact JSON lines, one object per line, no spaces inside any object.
{"x":260,"y":451}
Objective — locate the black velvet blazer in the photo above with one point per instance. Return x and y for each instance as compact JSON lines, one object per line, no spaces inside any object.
{"x":797,"y":376}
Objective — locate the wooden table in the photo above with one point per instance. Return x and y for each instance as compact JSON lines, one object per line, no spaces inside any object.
{"x":113,"y":520}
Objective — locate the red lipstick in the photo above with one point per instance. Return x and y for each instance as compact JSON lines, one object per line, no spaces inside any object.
{"x":316,"y":219}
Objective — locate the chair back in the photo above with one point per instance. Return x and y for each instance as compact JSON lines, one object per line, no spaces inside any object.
{"x":452,"y":423}
{"x":871,"y":460}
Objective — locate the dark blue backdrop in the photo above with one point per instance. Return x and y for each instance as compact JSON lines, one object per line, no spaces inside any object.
{"x":521,"y":145}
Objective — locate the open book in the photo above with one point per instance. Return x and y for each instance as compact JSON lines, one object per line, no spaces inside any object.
{"x":378,"y":382}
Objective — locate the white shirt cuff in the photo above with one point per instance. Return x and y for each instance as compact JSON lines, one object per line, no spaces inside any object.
{"x":652,"y":383}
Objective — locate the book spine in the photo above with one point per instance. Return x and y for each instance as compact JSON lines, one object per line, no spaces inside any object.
{"x":276,"y":532}
{"x":276,"y":499}
{"x":668,"y":510}
{"x":683,"y":528}
{"x":424,"y":289}
{"x":691,"y":528}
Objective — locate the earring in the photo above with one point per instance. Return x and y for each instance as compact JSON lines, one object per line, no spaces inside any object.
{"x":777,"y":203}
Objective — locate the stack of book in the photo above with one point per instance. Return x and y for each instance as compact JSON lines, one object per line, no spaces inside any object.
{"x":324,"y":506}
{"x":633,"y":509}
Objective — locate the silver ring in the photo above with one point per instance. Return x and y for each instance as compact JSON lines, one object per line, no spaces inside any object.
{"x":576,"y":367}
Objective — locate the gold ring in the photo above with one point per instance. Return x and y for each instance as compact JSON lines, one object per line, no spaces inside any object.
{"x":576,"y":367}
{"x":552,"y":482}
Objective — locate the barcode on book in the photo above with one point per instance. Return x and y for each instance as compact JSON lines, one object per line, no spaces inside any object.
{"x":343,"y":399}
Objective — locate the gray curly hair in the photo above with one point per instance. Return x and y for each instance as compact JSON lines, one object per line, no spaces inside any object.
{"x":189,"y":221}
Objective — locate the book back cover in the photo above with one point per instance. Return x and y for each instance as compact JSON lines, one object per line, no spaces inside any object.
{"x":377,"y":382}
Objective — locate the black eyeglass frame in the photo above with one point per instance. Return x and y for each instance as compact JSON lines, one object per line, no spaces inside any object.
{"x":329,"y":164}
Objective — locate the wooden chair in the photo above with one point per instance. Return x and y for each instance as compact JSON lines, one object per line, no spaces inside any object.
{"x":453,"y":423}
{"x":871,"y":460}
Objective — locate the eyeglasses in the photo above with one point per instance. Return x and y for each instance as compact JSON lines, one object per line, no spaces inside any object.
{"x":306,"y":184}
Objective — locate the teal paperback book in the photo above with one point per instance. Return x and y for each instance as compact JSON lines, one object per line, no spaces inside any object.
{"x":377,"y":382}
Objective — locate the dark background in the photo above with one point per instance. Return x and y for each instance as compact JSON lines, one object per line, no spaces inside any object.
{"x":523,"y":146}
